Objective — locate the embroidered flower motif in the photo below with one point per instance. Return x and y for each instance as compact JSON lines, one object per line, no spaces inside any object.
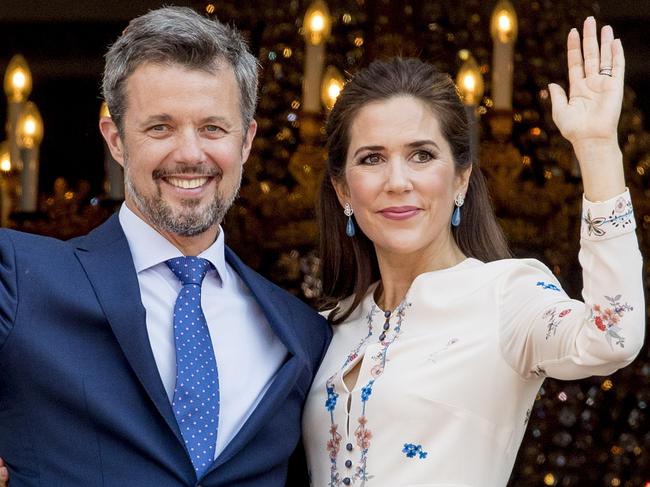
{"x":594,"y":225}
{"x":376,"y":371}
{"x":564,"y":312}
{"x":412,"y":450}
{"x":334,"y":443}
{"x":621,"y":216}
{"x":366,"y":391}
{"x":332,"y":396}
{"x":363,"y":434}
{"x":550,"y":286}
{"x":608,"y":319}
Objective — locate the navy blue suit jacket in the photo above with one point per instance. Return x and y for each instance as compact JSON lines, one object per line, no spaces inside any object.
{"x":81,"y":400}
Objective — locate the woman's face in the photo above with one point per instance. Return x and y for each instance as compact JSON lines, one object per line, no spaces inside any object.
{"x":400,"y":178}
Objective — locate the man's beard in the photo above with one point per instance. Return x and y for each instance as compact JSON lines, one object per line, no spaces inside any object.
{"x":187,"y":220}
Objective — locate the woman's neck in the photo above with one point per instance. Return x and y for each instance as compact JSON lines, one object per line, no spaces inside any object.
{"x":398,"y":271}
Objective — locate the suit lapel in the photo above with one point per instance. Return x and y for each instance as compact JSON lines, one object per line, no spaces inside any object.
{"x":278,"y":313}
{"x":104,"y":253}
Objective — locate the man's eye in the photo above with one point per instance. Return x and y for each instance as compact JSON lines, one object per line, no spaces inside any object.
{"x":159,"y":128}
{"x":213,"y":128}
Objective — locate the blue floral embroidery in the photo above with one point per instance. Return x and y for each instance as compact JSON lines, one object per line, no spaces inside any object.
{"x":366,"y":391}
{"x":332,"y":396}
{"x":412,"y":450}
{"x":550,"y":286}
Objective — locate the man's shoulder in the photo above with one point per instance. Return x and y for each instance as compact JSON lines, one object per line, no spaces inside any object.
{"x":260,"y":284}
{"x":24,"y":239}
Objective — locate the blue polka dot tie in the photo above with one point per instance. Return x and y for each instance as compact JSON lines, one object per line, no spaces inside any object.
{"x":196,"y":395}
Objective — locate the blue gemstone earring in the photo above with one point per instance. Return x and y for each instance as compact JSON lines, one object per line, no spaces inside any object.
{"x":458,"y":202}
{"x":349,"y":227}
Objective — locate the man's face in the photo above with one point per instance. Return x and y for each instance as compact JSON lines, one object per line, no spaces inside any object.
{"x":182,"y":146}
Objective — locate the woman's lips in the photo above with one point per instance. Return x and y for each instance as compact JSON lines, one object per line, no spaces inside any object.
{"x":400,"y":212}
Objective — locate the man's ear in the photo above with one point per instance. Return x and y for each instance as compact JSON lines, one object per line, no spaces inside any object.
{"x":248,"y":141}
{"x":112,"y":137}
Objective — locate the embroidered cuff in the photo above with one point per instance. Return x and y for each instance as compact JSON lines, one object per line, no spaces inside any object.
{"x":607,"y":219}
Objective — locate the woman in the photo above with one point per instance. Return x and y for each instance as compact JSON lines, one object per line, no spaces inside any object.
{"x":440,"y":342}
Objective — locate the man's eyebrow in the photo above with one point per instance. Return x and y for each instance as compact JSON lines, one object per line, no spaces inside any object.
{"x":159,"y":118}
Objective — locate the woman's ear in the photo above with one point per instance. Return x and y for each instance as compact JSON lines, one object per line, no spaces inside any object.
{"x":342,"y":191}
{"x":462,"y":180}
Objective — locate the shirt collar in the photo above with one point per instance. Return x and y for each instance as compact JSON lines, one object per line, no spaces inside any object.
{"x":149,"y":248}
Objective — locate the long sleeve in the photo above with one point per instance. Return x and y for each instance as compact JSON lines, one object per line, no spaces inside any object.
{"x":8,"y":291}
{"x":545,"y":333}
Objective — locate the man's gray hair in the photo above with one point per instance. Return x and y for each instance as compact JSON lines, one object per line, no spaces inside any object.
{"x":178,"y":35}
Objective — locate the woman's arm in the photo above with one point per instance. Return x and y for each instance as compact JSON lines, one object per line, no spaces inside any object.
{"x":543,"y":331}
{"x":588,"y":118}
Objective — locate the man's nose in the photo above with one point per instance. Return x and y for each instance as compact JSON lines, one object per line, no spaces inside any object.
{"x":190,"y":147}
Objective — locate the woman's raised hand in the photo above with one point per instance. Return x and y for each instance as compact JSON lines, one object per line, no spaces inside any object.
{"x":588,"y":118}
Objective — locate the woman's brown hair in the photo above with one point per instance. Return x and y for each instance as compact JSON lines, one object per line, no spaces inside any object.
{"x":478,"y":234}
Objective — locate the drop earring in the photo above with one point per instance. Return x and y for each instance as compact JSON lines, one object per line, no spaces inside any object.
{"x":458,"y":202}
{"x":349,"y":227}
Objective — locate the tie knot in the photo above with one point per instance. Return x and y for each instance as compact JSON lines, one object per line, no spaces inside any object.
{"x":189,"y":270}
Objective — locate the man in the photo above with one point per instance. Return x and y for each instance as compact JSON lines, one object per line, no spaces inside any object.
{"x":145,"y":353}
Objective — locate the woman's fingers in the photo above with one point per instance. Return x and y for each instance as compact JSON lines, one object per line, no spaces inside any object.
{"x":590,"y":47}
{"x":606,"y":55}
{"x":618,"y":56}
{"x":574,"y":59}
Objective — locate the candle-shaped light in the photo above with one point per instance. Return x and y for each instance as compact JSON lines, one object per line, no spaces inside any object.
{"x":5,"y":158}
{"x":332,"y":85}
{"x":113,"y":172}
{"x":29,"y":132}
{"x":18,"y":86}
{"x":18,"y":79}
{"x":317,"y":25}
{"x":470,"y":85}
{"x":503,"y":28}
{"x":5,"y":200}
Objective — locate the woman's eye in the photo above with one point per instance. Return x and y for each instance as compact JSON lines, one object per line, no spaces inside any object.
{"x":423,"y":156}
{"x":371,"y":159}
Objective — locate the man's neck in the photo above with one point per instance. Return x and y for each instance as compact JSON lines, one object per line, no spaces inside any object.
{"x":188,"y":245}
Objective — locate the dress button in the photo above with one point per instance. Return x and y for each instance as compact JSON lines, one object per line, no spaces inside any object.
{"x":349,"y":446}
{"x":348,"y":463}
{"x":347,"y":481}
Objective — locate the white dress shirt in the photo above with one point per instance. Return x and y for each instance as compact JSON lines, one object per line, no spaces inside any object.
{"x":247,"y":351}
